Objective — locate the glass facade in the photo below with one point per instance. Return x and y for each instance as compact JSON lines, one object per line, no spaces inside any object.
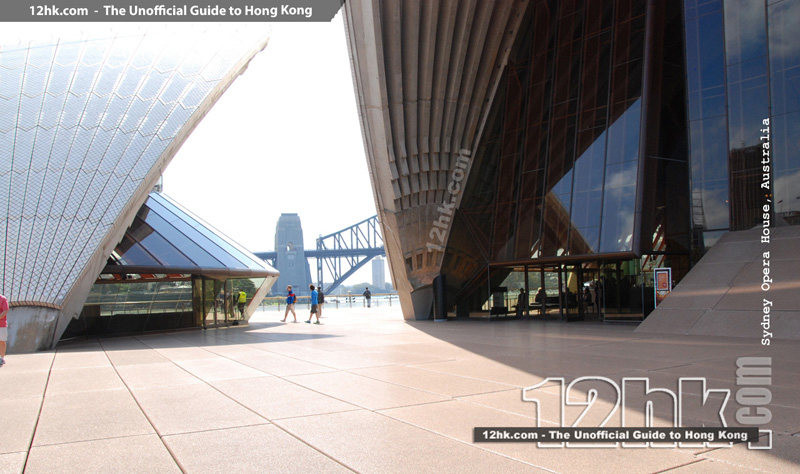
{"x":579,"y":158}
{"x":165,"y":234}
{"x":170,"y":271}
{"x":134,"y":307}
{"x":784,"y":91}
{"x":742,"y":69}
{"x":565,"y":143}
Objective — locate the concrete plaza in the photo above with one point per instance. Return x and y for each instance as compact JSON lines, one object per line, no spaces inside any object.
{"x":365,"y":392}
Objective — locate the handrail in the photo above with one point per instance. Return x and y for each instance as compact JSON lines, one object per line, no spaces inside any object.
{"x":333,"y":300}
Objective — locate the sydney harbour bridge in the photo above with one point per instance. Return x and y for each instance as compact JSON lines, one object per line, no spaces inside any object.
{"x":338,"y":255}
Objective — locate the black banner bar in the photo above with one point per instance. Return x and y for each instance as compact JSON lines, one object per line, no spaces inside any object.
{"x":614,"y":435}
{"x":177,"y":11}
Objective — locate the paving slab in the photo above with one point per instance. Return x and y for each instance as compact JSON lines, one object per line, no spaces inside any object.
{"x":38,"y":361}
{"x":429,"y":381}
{"x":77,"y":357}
{"x":176,"y":354}
{"x":485,"y":369}
{"x":239,"y":351}
{"x":456,"y":419}
{"x":18,"y":421}
{"x":369,"y":392}
{"x":103,"y":456}
{"x":83,"y":379}
{"x":13,"y":463}
{"x":21,"y":384}
{"x":783,"y":457}
{"x":84,"y":416}
{"x":189,"y":408}
{"x":363,"y":391}
{"x":369,"y":442}
{"x":710,"y":466}
{"x":219,"y":368}
{"x":252,"y":449}
{"x":275,"y":398}
{"x":164,"y":374}
{"x":281,"y":365}
{"x":137,"y":356}
{"x":435,"y":348}
{"x":511,"y":401}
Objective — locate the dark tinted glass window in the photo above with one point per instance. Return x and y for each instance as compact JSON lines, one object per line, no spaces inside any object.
{"x":784,"y":53}
{"x":196,"y":253}
{"x":708,"y":126}
{"x":186,"y":231}
{"x":224,"y":245}
{"x":157,"y":245}
{"x":619,"y":198}
{"x":745,"y":30}
{"x":786,"y":166}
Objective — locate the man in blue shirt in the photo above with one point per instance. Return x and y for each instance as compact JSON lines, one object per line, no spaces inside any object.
{"x":314,"y":303}
{"x":290,"y":299}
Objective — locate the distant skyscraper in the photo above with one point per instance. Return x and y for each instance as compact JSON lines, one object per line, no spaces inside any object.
{"x":378,"y":272}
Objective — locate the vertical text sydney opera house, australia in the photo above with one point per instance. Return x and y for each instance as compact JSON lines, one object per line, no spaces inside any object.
{"x":576,"y":145}
{"x":87,"y":125}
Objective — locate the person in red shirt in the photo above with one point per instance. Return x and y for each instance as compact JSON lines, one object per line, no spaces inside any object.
{"x":3,"y":328}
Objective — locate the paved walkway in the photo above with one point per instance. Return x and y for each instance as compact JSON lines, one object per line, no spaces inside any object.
{"x":364,"y":392}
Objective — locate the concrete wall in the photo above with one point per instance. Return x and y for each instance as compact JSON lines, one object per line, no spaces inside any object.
{"x":31,"y":329}
{"x":723,"y":294}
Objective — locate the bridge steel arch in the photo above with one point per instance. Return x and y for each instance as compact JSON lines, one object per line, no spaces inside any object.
{"x":344,"y":252}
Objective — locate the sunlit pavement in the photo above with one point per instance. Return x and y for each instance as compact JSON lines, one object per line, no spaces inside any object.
{"x":366,"y":392}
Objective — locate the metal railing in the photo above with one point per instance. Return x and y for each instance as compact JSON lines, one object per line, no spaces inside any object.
{"x":110,"y":308}
{"x":278,"y":303}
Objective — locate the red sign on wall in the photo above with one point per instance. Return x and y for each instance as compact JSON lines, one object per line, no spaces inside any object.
{"x":663,"y":283}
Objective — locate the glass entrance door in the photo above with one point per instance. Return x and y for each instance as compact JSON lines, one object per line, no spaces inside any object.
{"x":553,"y":292}
{"x":590,"y":297}
{"x":621,"y":295}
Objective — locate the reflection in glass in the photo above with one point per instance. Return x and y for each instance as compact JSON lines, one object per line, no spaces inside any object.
{"x":134,"y":307}
{"x":745,"y":33}
{"x":198,"y":255}
{"x":705,"y":63}
{"x":213,"y":302}
{"x":587,"y":198}
{"x":165,"y":252}
{"x":748,"y":101}
{"x":618,"y":207}
{"x":236,"y":251}
{"x":748,"y":106}
{"x":786,"y":167}
{"x":784,"y":56}
{"x":709,"y":157}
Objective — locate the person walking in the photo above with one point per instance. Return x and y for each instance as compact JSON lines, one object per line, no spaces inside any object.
{"x":314,"y":304}
{"x":290,"y":300}
{"x":541,"y":300}
{"x":522,"y":303}
{"x":320,"y":300}
{"x":3,"y":329}
{"x":368,"y":297}
{"x":242,"y":303}
{"x":587,"y":298}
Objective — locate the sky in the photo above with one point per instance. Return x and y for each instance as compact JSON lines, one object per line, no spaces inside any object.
{"x":284,"y":138}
